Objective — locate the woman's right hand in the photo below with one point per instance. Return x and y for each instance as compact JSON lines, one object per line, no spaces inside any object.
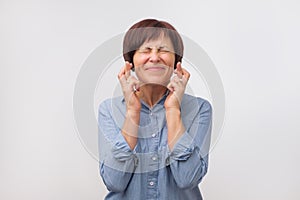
{"x":130,"y":87}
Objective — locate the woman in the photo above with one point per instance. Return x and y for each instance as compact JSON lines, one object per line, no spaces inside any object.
{"x":154,"y":140}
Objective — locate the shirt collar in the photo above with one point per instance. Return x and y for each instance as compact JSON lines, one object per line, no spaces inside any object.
{"x":160,"y":102}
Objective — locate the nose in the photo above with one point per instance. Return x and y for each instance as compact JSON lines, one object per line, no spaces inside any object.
{"x":154,"y":56}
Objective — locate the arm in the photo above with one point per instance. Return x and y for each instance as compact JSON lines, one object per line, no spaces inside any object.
{"x":117,"y":160}
{"x":133,"y":105}
{"x":189,"y":144}
{"x":130,"y":127}
{"x":189,"y":157}
{"x":174,"y":125}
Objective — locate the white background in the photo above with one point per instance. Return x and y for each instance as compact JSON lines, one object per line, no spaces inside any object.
{"x":254,"y":45}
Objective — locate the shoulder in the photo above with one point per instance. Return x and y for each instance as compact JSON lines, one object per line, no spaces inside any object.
{"x":191,"y":103}
{"x":110,"y":103}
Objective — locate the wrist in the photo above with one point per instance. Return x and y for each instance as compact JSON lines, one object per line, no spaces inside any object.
{"x":134,"y":115}
{"x":133,"y":112}
{"x":173,"y":111}
{"x":173,"y":117}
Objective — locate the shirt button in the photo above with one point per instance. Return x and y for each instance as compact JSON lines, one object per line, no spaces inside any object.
{"x":151,"y":183}
{"x":154,"y":158}
{"x":168,"y":161}
{"x":153,"y":135}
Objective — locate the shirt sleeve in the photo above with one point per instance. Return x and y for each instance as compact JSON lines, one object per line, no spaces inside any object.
{"x":189,"y":158}
{"x":117,"y":161}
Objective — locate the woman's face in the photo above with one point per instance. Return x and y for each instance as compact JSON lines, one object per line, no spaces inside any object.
{"x":154,"y":61}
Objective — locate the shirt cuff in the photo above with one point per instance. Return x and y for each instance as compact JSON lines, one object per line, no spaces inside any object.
{"x":121,"y":158}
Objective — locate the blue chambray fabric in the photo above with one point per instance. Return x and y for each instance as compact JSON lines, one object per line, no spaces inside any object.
{"x":151,"y":171}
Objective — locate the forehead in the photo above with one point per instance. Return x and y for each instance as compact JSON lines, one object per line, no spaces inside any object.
{"x":157,"y":42}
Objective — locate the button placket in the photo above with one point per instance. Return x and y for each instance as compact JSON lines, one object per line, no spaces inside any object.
{"x":150,"y":112}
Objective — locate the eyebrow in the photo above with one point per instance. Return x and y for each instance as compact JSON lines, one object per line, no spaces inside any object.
{"x":159,"y":47}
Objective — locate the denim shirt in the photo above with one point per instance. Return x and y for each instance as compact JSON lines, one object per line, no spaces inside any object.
{"x":151,"y":170}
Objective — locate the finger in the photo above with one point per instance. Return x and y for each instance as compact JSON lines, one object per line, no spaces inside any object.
{"x":133,"y":83}
{"x":132,"y":79}
{"x":175,"y":79}
{"x":186,"y":76}
{"x":174,"y":86}
{"x":170,"y":87}
{"x":122,"y":80}
{"x":128,"y":66}
{"x":179,"y":81}
{"x":185,"y":73}
{"x":178,"y":70}
{"x":122,"y":72}
{"x":137,"y":84}
{"x":127,"y":69}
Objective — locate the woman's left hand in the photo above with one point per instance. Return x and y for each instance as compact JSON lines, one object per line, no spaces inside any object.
{"x":177,"y":87}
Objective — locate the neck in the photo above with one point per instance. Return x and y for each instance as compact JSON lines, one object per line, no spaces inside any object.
{"x":152,"y":93}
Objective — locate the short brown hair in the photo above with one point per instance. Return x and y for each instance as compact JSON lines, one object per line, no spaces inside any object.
{"x":149,"y":29}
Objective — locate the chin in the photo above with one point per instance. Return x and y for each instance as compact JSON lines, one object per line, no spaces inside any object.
{"x":157,"y":82}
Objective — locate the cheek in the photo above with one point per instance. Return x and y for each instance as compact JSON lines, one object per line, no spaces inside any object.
{"x":170,"y":60}
{"x":134,"y":59}
{"x":138,"y":59}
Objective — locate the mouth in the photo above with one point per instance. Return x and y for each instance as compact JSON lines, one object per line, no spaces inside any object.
{"x":154,"y":68}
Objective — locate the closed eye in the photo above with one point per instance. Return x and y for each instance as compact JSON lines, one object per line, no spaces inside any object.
{"x":163,"y":50}
{"x":145,"y":50}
